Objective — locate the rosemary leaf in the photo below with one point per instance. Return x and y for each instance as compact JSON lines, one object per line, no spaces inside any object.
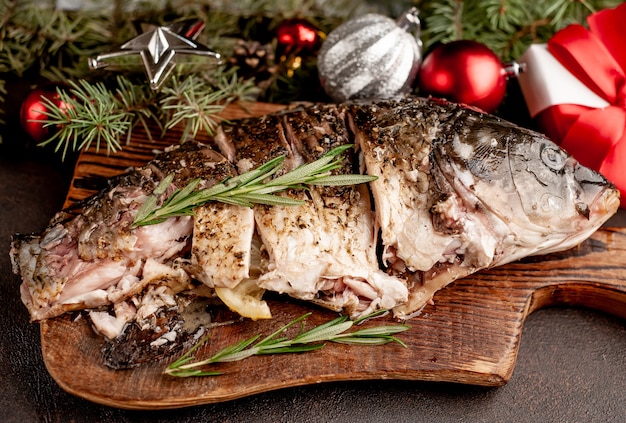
{"x":236,"y":352}
{"x":304,"y":172}
{"x":338,"y":180}
{"x":326,"y":331}
{"x":355,"y":340}
{"x":380,"y":330}
{"x":195,"y":372}
{"x":248,"y":200}
{"x":183,"y":196}
{"x":271,"y":339}
{"x":291,"y":349}
{"x":146,"y":208}
{"x":164,"y":185}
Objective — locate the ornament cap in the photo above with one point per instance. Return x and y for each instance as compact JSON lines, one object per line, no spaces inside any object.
{"x":410,"y":21}
{"x":513,"y":69}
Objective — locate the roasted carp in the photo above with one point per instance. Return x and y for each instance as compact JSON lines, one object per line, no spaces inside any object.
{"x":457,"y":191}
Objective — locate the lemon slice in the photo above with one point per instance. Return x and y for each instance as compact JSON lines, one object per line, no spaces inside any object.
{"x":245,"y":299}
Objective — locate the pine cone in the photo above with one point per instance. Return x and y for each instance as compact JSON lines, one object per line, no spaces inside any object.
{"x":254,"y":60}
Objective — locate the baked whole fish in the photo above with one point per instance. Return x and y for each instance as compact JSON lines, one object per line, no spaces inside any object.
{"x":457,"y":191}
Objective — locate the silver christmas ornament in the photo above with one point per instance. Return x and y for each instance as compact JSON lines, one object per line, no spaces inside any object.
{"x":371,"y":56}
{"x":159,"y":47}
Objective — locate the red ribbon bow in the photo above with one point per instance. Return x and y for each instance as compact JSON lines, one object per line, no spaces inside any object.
{"x":596,"y":137}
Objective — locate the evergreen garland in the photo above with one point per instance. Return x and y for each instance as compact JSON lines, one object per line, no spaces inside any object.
{"x":508,"y":27}
{"x":41,"y":43}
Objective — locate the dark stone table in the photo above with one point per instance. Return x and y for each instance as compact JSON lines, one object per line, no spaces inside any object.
{"x":571,"y":365}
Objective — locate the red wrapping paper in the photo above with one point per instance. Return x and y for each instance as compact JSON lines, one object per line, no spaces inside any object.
{"x":594,"y":131}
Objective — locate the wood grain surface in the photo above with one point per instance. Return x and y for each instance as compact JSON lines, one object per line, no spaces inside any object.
{"x":470,"y":334}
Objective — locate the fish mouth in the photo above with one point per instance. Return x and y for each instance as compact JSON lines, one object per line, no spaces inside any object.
{"x":601,"y":199}
{"x":606,"y":203}
{"x":600,"y":209}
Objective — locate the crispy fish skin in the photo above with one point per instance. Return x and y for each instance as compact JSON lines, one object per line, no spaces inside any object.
{"x":457,"y":191}
{"x":220,"y":247}
{"x":396,"y":141}
{"x":221,"y":236}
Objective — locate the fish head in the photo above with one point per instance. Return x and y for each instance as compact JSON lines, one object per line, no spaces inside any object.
{"x":524,"y":185}
{"x":554,"y":188}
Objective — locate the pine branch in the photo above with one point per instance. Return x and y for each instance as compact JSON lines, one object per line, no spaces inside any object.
{"x":443,"y":25}
{"x":195,"y":102}
{"x":88,"y":113}
{"x":54,"y":42}
{"x":138,"y":100}
{"x":105,"y":116}
{"x":510,"y":26}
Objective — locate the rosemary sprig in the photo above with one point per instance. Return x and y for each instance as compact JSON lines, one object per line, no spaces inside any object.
{"x":249,"y":188}
{"x":335,"y":330}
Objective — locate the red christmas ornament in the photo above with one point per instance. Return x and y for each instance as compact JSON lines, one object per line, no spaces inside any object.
{"x":464,"y":71}
{"x":297,"y":35}
{"x":32,"y":112}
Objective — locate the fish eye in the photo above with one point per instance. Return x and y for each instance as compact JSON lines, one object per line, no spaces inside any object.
{"x":553,"y":158}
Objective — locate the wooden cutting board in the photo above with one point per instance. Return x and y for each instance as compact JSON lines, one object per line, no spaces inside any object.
{"x":471,"y":333}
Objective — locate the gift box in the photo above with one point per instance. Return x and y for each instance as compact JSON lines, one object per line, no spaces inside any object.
{"x":575,"y":89}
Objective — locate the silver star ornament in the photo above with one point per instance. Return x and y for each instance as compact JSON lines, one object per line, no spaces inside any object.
{"x":159,"y":47}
